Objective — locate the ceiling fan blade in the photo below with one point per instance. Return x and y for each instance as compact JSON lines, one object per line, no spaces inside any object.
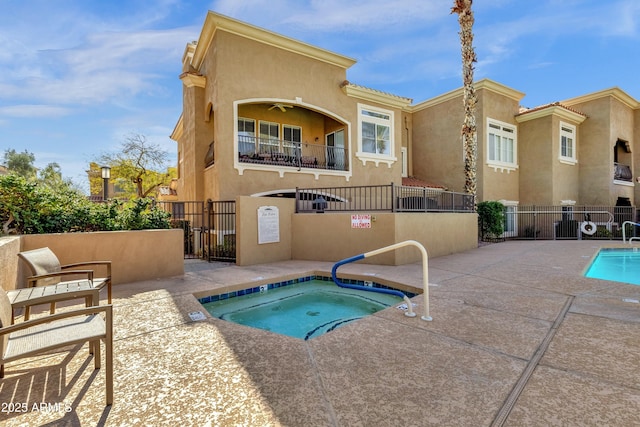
{"x":282,"y":107}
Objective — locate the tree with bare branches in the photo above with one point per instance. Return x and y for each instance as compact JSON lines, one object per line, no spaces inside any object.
{"x":469,"y":131}
{"x":140,"y":164}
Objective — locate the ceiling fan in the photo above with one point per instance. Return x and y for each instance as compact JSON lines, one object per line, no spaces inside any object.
{"x":282,"y":107}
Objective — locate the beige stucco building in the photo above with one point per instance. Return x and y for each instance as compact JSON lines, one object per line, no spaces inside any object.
{"x":264,"y":114}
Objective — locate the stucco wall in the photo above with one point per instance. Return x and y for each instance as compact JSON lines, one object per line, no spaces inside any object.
{"x":495,"y":183}
{"x":248,"y":250}
{"x":9,"y":248}
{"x":436,"y":144}
{"x":329,"y":236}
{"x":440,"y":233}
{"x":134,"y":255}
{"x":258,"y":78}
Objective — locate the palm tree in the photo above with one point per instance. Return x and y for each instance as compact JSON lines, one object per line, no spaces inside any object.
{"x":469,"y":131}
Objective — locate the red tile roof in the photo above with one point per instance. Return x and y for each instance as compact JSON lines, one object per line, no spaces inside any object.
{"x":524,"y":110}
{"x":412,"y":181}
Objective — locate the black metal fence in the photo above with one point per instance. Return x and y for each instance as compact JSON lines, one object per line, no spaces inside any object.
{"x":390,"y":198}
{"x":565,"y":223}
{"x":220,"y":236}
{"x":189,"y":216}
{"x":209,"y":228}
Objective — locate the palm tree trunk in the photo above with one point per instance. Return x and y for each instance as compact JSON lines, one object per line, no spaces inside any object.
{"x":469,"y":131}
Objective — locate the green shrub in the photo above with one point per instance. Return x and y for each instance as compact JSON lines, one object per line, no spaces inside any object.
{"x":491,"y":219}
{"x":29,"y":207}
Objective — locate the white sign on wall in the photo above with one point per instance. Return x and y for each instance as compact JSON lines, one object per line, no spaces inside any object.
{"x":360,"y":221}
{"x":268,"y":224}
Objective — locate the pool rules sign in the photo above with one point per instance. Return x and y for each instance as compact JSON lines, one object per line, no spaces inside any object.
{"x":268,"y":224}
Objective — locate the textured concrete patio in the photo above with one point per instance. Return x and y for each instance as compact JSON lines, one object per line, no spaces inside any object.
{"x":518,"y":337}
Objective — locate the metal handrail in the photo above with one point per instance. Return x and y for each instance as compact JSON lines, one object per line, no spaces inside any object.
{"x":425,"y":276}
{"x":611,"y":217}
{"x":624,"y":236}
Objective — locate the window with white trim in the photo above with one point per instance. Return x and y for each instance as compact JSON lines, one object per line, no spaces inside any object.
{"x":269,"y":139}
{"x":501,"y":145}
{"x":246,"y":136}
{"x":567,"y":143}
{"x":291,"y":133}
{"x":291,"y":139}
{"x":375,"y":134}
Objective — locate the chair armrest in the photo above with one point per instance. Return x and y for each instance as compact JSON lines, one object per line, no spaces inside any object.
{"x":31,"y":281}
{"x":88,"y":263}
{"x":107,"y":309}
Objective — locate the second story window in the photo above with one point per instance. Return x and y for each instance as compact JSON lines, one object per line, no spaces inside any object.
{"x":501,"y":145}
{"x":246,"y":136}
{"x":375,"y":134}
{"x":269,"y":137}
{"x":291,"y":135}
{"x":567,"y":143}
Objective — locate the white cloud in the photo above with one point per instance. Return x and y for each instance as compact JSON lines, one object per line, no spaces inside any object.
{"x":35,"y":111}
{"x":107,"y":66}
{"x":328,"y":16}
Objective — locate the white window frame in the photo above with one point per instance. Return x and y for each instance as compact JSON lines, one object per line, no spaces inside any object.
{"x":242,"y":133}
{"x":377,"y":158}
{"x":498,"y":154}
{"x":568,"y":133}
{"x":268,"y":141}
{"x":292,"y":128}
{"x":291,"y":144}
{"x":335,"y":149}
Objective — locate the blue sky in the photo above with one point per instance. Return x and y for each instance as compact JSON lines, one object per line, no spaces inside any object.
{"x":78,"y":76}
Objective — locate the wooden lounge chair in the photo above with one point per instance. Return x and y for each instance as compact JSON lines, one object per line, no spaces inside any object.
{"x":46,"y":270}
{"x":36,"y":336}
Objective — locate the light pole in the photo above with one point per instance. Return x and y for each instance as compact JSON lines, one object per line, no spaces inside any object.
{"x":106,"y":174}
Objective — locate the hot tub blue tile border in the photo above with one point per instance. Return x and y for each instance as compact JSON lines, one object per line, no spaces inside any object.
{"x":256,"y":289}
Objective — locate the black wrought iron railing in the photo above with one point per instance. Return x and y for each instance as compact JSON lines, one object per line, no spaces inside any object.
{"x":390,"y":198}
{"x":291,"y":153}
{"x":567,"y":222}
{"x":209,"y":228}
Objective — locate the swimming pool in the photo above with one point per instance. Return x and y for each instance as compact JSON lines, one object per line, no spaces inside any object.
{"x":617,"y":264}
{"x":302,"y":309}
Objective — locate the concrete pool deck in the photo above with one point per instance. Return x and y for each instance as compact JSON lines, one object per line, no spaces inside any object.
{"x":518,"y":337}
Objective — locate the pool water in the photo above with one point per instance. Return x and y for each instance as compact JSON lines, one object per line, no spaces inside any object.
{"x":303,"y":310}
{"x":620,"y":265}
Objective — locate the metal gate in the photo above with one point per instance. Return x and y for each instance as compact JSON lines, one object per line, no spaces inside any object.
{"x":189,"y":216}
{"x":209,"y":228}
{"x":221,"y":231}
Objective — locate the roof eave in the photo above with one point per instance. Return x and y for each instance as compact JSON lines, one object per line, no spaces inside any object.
{"x":215,"y":21}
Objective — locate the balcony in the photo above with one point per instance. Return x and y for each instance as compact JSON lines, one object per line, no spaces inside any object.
{"x":300,"y":155}
{"x":622,"y":173}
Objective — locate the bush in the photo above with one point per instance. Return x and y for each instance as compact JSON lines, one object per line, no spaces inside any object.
{"x":28,"y":207}
{"x":491,"y":219}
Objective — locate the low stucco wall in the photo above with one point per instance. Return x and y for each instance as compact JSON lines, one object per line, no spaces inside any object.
{"x":134,"y":255}
{"x":9,"y":248}
{"x":249,"y":250}
{"x":330,"y":236}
